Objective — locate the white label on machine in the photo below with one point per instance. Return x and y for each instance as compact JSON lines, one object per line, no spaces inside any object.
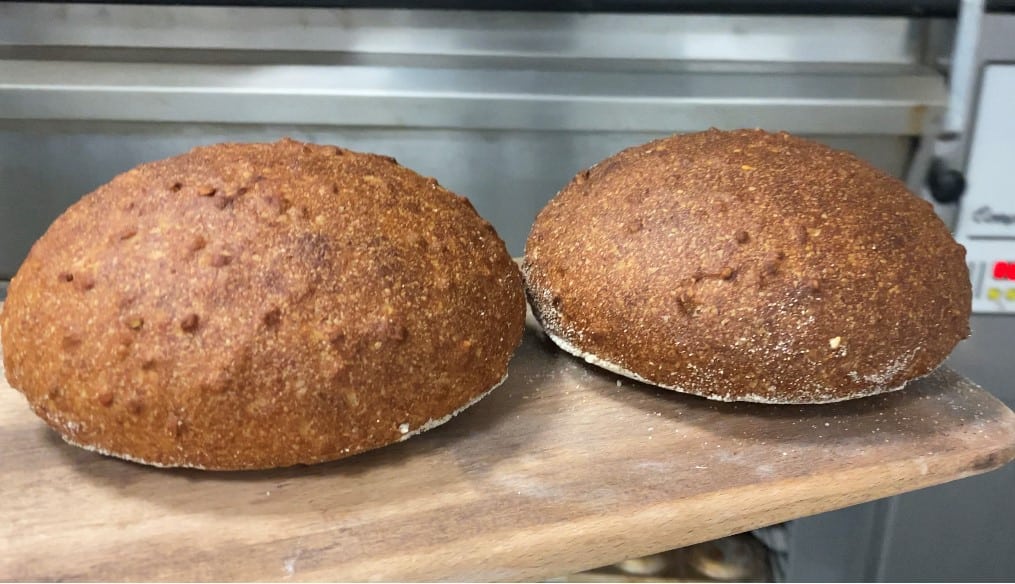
{"x":986,"y":224}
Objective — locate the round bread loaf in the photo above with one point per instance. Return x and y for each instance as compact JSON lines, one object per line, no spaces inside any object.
{"x":748,"y":266}
{"x":261,"y":305}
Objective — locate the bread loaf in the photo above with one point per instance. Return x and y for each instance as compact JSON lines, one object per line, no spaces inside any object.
{"x":260,"y":305}
{"x":748,"y":266}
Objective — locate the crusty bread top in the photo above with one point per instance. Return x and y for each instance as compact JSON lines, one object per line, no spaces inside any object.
{"x":255,"y":305}
{"x":749,"y":265}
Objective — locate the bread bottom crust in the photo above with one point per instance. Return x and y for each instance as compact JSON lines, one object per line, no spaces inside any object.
{"x":429,"y":425}
{"x":753,"y":398}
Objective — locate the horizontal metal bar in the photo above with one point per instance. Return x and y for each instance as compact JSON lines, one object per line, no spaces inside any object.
{"x":499,"y":34}
{"x":947,"y":8}
{"x":478,"y":99}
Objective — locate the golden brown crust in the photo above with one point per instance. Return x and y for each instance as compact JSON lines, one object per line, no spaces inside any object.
{"x":260,"y":305}
{"x":748,"y":265}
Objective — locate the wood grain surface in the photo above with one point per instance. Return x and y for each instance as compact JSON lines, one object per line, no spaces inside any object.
{"x":564,"y":467}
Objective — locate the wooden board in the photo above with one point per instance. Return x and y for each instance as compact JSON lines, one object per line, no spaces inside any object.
{"x":560,"y":469}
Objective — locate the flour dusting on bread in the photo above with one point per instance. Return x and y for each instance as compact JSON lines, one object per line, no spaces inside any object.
{"x":748,"y":265}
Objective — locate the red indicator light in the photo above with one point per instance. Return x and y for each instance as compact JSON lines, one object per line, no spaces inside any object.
{"x":1004,"y":271}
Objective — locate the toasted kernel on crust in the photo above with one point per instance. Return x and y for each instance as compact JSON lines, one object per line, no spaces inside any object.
{"x":765,"y":268}
{"x":272,"y":305}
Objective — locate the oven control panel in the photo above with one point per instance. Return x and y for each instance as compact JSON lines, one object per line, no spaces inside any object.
{"x":986,"y":220}
{"x":993,"y":278}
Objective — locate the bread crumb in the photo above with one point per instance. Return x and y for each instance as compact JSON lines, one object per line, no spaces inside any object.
{"x":835,"y":342}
